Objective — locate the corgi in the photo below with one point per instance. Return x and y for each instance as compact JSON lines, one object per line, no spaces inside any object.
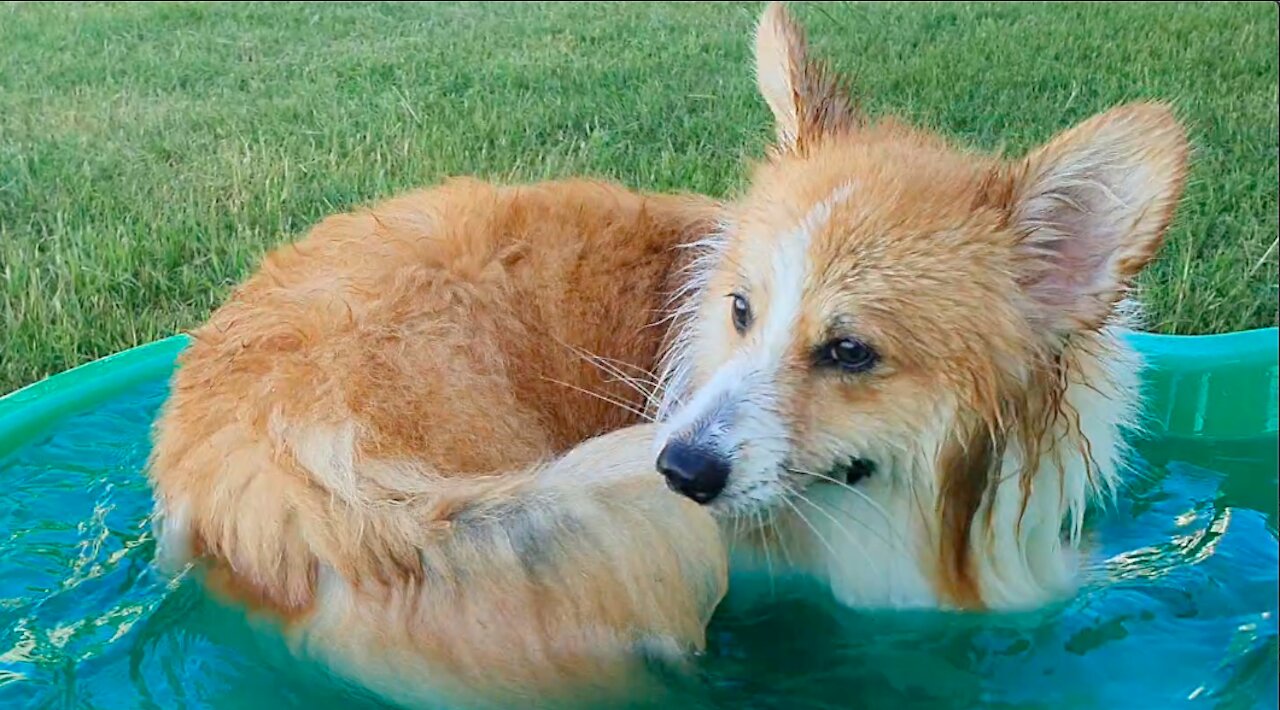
{"x":904,"y":360}
{"x":894,"y":364}
{"x":390,"y":443}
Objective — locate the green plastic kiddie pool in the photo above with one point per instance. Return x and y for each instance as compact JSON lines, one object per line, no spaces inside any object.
{"x":1179,"y":607}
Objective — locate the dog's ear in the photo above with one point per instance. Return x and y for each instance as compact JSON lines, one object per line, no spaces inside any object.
{"x":1090,"y":210}
{"x":807,"y":101}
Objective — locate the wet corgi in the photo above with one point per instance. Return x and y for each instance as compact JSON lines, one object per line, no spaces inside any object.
{"x":383,"y":440}
{"x":893,"y":363}
{"x":899,"y":362}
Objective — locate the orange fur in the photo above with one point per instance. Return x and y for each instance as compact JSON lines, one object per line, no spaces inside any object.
{"x":411,"y":366}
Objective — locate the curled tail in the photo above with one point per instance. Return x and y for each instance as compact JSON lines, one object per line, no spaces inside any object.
{"x":536,"y":578}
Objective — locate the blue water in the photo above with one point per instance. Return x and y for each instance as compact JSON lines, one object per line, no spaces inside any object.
{"x":1181,"y":609}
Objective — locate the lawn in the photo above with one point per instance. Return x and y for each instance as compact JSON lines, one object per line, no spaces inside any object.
{"x":150,"y":153}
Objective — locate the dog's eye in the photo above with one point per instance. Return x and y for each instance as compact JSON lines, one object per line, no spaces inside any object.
{"x":848,"y":354}
{"x":854,"y":470}
{"x":741,"y":313}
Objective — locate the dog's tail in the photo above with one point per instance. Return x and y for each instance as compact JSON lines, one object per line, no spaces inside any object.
{"x":540,"y":578}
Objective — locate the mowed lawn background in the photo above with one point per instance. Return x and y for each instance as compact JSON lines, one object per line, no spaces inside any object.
{"x":150,"y":153}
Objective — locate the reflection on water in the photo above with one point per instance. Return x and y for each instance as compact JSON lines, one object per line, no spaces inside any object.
{"x":1180,"y":609}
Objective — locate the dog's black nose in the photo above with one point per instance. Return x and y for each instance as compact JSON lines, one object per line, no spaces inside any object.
{"x":692,"y":471}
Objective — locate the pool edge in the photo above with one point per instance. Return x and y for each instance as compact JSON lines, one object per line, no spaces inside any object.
{"x":28,"y":410}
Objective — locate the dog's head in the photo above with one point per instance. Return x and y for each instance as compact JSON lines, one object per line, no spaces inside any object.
{"x":883,"y":304}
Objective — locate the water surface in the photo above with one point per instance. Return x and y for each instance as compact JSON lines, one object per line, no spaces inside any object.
{"x":1180,"y":609}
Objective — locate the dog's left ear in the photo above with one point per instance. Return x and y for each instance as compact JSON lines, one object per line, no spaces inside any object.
{"x":1090,"y":210}
{"x":807,"y":101}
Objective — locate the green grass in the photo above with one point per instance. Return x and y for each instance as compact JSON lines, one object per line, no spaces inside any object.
{"x":149,"y":153}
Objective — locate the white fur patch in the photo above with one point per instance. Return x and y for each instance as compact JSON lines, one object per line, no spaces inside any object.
{"x":737,"y":411}
{"x":328,"y":453}
{"x":790,"y":275}
{"x":172,"y":528}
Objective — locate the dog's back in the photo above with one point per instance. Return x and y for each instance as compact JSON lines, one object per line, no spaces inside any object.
{"x":353,"y":442}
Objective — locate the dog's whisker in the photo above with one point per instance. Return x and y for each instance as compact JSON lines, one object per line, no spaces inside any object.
{"x":650,"y":375}
{"x":625,"y":406}
{"x":896,"y":541}
{"x":847,"y":486}
{"x":814,"y":529}
{"x":646,"y":388}
{"x":782,"y":539}
{"x":650,"y":395}
{"x":857,"y":543}
{"x":763,"y":531}
{"x":613,"y":367}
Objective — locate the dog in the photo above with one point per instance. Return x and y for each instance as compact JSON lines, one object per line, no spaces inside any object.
{"x":410,"y":437}
{"x":904,"y":359}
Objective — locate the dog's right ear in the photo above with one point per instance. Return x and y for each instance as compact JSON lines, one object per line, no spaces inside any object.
{"x":807,"y":100}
